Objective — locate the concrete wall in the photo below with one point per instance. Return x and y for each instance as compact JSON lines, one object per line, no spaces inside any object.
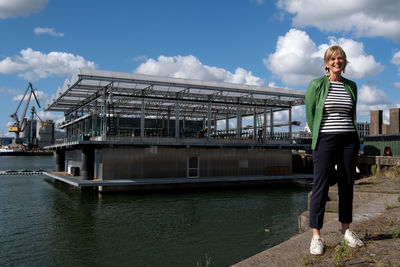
{"x":165,"y":162}
{"x":385,"y":129}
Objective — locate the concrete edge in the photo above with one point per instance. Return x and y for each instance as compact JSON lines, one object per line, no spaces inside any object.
{"x":292,"y":251}
{"x":67,"y":181}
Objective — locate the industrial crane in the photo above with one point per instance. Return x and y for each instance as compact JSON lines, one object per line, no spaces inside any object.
{"x":20,"y":124}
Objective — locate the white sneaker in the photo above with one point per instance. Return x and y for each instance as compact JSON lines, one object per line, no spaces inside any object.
{"x":317,"y":245}
{"x":352,"y":239}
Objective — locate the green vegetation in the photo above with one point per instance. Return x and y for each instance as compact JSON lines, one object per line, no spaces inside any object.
{"x":373,"y":170}
{"x":390,"y":207}
{"x":340,"y":253}
{"x":391,"y":265}
{"x":392,"y":173}
{"x":395,"y":234}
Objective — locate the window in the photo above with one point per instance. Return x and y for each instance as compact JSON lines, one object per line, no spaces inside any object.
{"x":193,"y":166}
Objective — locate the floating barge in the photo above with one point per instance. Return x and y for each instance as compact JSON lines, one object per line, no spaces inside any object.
{"x":124,"y":128}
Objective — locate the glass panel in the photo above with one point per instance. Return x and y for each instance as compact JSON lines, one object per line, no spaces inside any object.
{"x":193,"y":173}
{"x":193,"y":160}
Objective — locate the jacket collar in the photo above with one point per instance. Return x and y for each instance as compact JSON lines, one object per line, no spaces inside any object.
{"x":346,"y":84}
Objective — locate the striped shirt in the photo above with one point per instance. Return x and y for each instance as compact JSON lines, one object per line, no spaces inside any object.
{"x":338,"y":110}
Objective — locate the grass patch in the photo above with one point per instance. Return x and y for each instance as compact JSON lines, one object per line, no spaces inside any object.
{"x":373,"y":170}
{"x":393,"y":172}
{"x":340,"y":254}
{"x":392,"y":222}
{"x":305,"y":260}
{"x":390,"y":207}
{"x":395,"y":234}
{"x":391,"y":265}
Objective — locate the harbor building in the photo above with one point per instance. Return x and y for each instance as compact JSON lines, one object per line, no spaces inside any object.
{"x":124,"y":126}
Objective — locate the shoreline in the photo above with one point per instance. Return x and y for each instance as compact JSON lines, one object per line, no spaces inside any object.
{"x":374,"y":198}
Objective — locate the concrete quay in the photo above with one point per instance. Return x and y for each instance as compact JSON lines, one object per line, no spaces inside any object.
{"x":372,"y":200}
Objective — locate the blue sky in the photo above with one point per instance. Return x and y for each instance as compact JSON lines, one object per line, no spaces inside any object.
{"x":272,"y":43}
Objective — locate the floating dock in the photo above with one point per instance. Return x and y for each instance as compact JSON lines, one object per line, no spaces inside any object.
{"x":151,"y":184}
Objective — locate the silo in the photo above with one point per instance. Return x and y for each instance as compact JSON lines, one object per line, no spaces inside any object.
{"x":45,"y":133}
{"x":26,"y":132}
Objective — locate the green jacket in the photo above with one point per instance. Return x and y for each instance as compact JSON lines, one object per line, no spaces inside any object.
{"x":315,"y":100}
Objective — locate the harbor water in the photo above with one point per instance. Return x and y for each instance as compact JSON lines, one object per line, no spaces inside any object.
{"x":43,"y":223}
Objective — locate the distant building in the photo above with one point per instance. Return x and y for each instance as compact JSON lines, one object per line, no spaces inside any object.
{"x":376,"y":122}
{"x":363,"y":128}
{"x":377,"y":125}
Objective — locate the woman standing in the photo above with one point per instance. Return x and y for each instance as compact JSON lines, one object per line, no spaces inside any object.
{"x":331,"y":116}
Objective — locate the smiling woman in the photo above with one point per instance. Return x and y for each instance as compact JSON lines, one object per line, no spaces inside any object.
{"x":331,"y":115}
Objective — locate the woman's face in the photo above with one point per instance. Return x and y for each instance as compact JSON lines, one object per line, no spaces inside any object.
{"x":336,"y":64}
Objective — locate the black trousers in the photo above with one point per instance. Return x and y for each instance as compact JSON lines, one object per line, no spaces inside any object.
{"x":331,"y":150}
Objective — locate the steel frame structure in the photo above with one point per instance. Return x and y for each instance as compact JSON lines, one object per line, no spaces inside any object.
{"x":95,"y":92}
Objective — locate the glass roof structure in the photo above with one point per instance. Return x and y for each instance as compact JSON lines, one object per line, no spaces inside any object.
{"x":125,"y":92}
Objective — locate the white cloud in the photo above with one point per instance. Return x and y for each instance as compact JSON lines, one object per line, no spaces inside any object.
{"x":371,"y":98}
{"x":9,"y":91}
{"x":259,"y":2}
{"x":370,"y":95}
{"x":13,"y":8}
{"x":362,"y":18}
{"x":140,"y":58}
{"x":363,"y":110}
{"x":189,"y":67}
{"x":360,"y":64}
{"x":297,"y":59}
{"x":33,"y":65}
{"x":47,"y":115}
{"x":50,"y":31}
{"x":396,"y":60}
{"x":42,"y":97}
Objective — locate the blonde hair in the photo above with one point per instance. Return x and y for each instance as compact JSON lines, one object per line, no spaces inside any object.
{"x":333,"y":51}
